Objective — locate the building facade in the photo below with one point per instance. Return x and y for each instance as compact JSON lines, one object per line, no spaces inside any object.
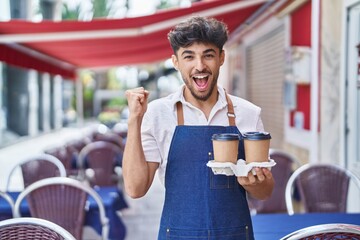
{"x":300,"y":63}
{"x":31,"y":102}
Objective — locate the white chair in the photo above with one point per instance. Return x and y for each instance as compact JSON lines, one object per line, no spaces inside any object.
{"x":326,"y":231}
{"x":9,"y":200}
{"x":37,"y":167}
{"x":63,"y":201}
{"x":32,"y":228}
{"x":322,"y":188}
{"x":285,"y":166}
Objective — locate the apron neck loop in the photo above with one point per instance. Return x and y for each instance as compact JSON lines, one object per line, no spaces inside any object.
{"x":230,"y":113}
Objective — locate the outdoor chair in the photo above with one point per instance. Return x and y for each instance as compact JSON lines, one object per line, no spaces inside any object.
{"x":331,"y":231}
{"x":322,"y":188}
{"x":120,"y":129}
{"x":32,"y":228}
{"x":37,"y":167}
{"x":62,"y":154}
{"x":66,"y":157}
{"x":285,"y":166}
{"x":74,"y":147}
{"x":9,"y":201}
{"x":111,"y":137}
{"x":100,"y":162}
{"x":63,"y":201}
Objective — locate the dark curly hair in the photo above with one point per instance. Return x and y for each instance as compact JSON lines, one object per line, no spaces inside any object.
{"x":198,"y":29}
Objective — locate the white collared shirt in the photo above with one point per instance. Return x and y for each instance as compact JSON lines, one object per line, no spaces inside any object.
{"x":160,"y":120}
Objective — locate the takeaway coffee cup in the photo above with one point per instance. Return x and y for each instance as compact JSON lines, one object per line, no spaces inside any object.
{"x":256,"y":146}
{"x":225,"y":147}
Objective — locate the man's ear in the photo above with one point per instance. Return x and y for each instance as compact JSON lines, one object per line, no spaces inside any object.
{"x":175,"y":61}
{"x":222,"y":57}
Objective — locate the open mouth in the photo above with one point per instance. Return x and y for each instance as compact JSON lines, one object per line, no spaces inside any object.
{"x":201,"y":81}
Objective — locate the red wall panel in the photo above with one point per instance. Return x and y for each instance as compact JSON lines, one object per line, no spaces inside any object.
{"x":301,"y":36}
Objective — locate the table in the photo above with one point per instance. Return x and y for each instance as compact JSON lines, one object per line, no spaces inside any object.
{"x":276,"y":226}
{"x":114,"y":201}
{"x":112,"y":198}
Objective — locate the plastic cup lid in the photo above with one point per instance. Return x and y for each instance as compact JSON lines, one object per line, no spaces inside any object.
{"x":225,"y":136}
{"x":257,"y":135}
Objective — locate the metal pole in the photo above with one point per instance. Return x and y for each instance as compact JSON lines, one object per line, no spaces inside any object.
{"x":315,"y":42}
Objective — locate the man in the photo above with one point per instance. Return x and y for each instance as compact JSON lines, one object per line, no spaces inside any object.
{"x":173,"y":135}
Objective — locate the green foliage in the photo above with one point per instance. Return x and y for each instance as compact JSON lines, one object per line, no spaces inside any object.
{"x":109,"y":117}
{"x":100,"y":9}
{"x":88,"y":94}
{"x":113,"y":82}
{"x":165,"y":4}
{"x":68,"y":14}
{"x":117,"y":102}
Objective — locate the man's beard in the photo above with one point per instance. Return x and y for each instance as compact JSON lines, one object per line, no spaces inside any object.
{"x":200,"y":97}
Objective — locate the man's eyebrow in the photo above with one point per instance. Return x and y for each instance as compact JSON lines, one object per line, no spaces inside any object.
{"x":209,"y":50}
{"x":187,"y":52}
{"x":204,"y":52}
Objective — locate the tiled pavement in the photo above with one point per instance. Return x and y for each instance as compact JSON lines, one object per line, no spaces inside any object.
{"x":142,"y":218}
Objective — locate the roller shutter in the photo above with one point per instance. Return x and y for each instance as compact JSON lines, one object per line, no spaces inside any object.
{"x":265,"y":65}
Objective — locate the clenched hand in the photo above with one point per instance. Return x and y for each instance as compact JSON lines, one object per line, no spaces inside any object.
{"x":137,"y":101}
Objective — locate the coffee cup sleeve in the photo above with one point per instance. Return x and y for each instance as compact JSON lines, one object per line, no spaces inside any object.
{"x":241,"y":169}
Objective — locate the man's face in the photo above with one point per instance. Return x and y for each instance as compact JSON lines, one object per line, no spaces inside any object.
{"x":199,"y":66}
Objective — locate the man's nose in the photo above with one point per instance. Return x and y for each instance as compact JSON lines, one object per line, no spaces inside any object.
{"x":200,"y":65}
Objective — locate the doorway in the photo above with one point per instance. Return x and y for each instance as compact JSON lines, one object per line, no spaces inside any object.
{"x":352,"y":87}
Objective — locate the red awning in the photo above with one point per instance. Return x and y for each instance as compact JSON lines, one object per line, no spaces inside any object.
{"x":63,"y":47}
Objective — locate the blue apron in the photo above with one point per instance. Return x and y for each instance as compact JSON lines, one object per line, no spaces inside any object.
{"x":198,"y":204}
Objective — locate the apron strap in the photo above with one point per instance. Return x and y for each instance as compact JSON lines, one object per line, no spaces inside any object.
{"x":180,"y":113}
{"x":230,"y":113}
